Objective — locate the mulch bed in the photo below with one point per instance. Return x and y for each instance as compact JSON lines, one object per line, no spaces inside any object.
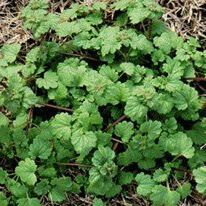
{"x":185,"y":17}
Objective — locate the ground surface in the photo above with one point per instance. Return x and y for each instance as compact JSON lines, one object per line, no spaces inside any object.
{"x":186,"y":17}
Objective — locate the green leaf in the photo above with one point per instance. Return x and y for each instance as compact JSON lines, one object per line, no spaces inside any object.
{"x":29,"y":98}
{"x":117,"y":93}
{"x":5,"y":137}
{"x":99,"y":5}
{"x":50,"y":80}
{"x":167,"y":41}
{"x":60,"y":187}
{"x":58,"y":93}
{"x":147,"y":163}
{"x":103,"y":155}
{"x":113,"y":191}
{"x":185,"y":97}
{"x":3,"y":199}
{"x":127,"y":67}
{"x":26,"y":171}
{"x":122,"y":19}
{"x":61,"y":126}
{"x":124,"y":130}
{"x":33,"y":55}
{"x":21,"y":120}
{"x":200,"y":178}
{"x":151,"y":128}
{"x":28,"y":70}
{"x":134,"y":109}
{"x":160,"y":175}
{"x":109,"y":72}
{"x":3,"y":176}
{"x":40,"y":148}
{"x":179,"y":144}
{"x":164,"y":196}
{"x":108,"y":40}
{"x":87,"y":115}
{"x":163,"y":103}
{"x":197,"y":133}
{"x":170,"y":125}
{"x":103,"y":138}
{"x":95,"y":19}
{"x":28,"y":202}
{"x":63,"y":183}
{"x":57,"y":195}
{"x":158,"y":26}
{"x":4,"y":121}
{"x":145,"y":184}
{"x":42,"y":187}
{"x":83,"y":142}
{"x":71,"y":72}
{"x":17,"y":189}
{"x":47,"y":172}
{"x":99,"y":184}
{"x":184,"y":190}
{"x":115,"y":59}
{"x":10,"y":52}
{"x":129,"y":156}
{"x":122,"y":4}
{"x":70,"y":13}
{"x":98,"y":202}
{"x":142,"y":44}
{"x":198,"y":159}
{"x":109,"y":169}
{"x":125,"y":178}
{"x":138,"y":14}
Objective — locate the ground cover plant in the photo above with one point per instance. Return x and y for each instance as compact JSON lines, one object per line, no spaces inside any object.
{"x":121,"y":100}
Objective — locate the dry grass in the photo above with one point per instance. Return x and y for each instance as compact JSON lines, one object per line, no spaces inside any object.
{"x":186,"y":17}
{"x":11,"y":26}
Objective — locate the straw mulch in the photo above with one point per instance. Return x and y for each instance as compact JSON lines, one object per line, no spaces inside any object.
{"x":186,"y":17}
{"x":11,"y":28}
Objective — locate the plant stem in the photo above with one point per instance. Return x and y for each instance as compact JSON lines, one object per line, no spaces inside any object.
{"x":176,"y":158}
{"x":83,"y":57}
{"x":117,"y":140}
{"x":196,"y":78}
{"x":72,"y":164}
{"x":115,"y":122}
{"x":56,"y":107}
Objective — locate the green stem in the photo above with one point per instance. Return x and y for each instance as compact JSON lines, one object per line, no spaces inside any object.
{"x":176,"y":158}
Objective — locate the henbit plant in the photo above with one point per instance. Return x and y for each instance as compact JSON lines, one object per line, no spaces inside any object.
{"x":123,"y":107}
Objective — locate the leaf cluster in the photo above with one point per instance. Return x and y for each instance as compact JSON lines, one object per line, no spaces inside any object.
{"x":131,"y":112}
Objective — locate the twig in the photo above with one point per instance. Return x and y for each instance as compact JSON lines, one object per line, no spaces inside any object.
{"x":83,"y":57}
{"x":117,"y":140}
{"x":72,"y":164}
{"x":56,"y":107}
{"x":115,"y":122}
{"x":112,"y":125}
{"x":29,"y":120}
{"x":183,"y":170}
{"x":115,"y":146}
{"x":196,"y":78}
{"x":202,"y":88}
